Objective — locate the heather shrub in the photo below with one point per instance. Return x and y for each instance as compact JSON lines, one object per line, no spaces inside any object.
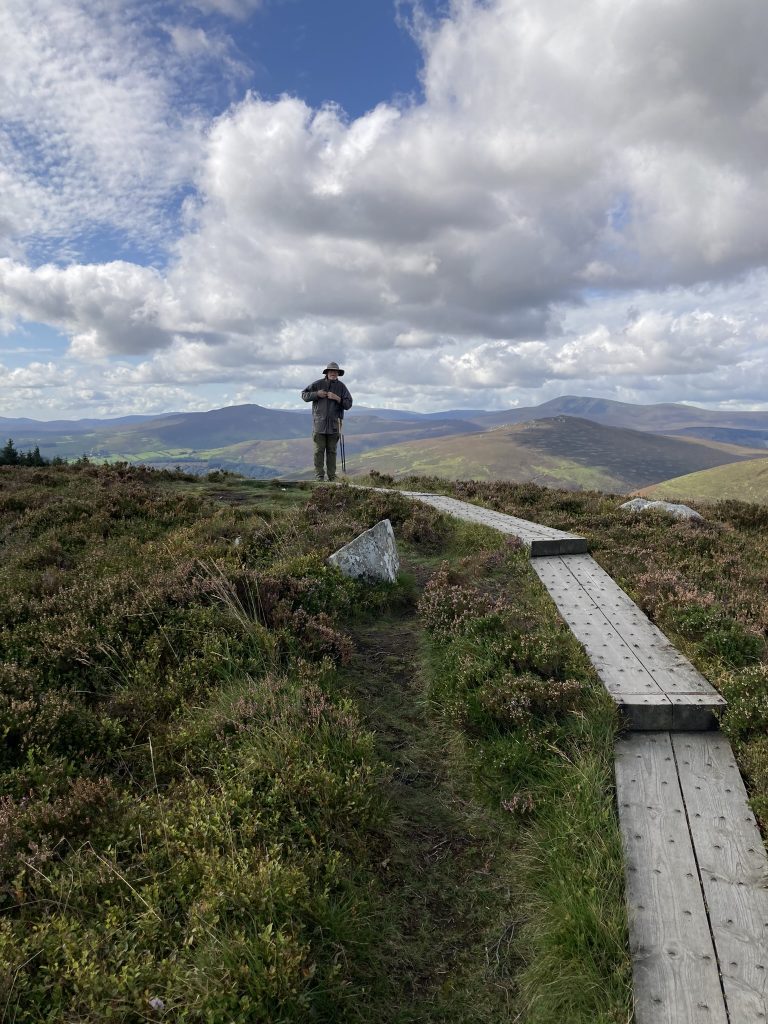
{"x":505,"y":665}
{"x":313,"y":637}
{"x":381,"y":479}
{"x":376,"y":505}
{"x":307,"y":582}
{"x":743,"y":515}
{"x":717,"y":634}
{"x":448,"y":609}
{"x":753,"y":758}
{"x":358,"y":510}
{"x":525,"y":701}
{"x":77,"y":810}
{"x":746,"y":691}
{"x":186,"y":809}
{"x":426,"y":528}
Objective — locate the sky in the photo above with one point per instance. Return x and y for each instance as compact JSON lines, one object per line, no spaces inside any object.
{"x":465,"y":203}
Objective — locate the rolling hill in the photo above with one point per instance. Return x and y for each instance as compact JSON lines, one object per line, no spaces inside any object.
{"x":749,"y":429}
{"x":203,"y":438}
{"x":742,"y":481}
{"x":263,"y":442}
{"x":561,"y":451}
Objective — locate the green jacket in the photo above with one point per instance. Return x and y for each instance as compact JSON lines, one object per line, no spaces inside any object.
{"x":326,"y":414}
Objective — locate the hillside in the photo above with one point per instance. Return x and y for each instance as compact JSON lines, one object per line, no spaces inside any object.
{"x":201,"y":440}
{"x":562,"y":451}
{"x":749,"y":428}
{"x":337,"y":787}
{"x":214,"y":439}
{"x":746,"y":481}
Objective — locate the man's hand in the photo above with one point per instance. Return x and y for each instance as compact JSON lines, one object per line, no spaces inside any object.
{"x":322,"y":394}
{"x":330,"y":394}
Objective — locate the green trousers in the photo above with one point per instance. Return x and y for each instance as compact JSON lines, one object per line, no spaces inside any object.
{"x":325,"y":451}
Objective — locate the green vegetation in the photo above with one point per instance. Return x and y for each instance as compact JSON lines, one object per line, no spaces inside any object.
{"x":738,"y":482}
{"x":562,"y":451}
{"x":238,"y":786}
{"x":11,"y":456}
{"x":702,"y":583}
{"x":539,"y":730}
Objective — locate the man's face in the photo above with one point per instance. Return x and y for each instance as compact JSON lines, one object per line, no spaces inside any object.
{"x":332,"y":375}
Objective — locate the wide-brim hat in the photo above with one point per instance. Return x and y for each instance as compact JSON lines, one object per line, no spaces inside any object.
{"x":334,"y":366}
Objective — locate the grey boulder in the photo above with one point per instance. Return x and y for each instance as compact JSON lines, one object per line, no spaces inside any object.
{"x":678,"y":511}
{"x":371,"y":556}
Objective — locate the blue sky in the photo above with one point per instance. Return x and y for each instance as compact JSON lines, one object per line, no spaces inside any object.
{"x":355,"y":54}
{"x":470,"y":204}
{"x":342,"y":52}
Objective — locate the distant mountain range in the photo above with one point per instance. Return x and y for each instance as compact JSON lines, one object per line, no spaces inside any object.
{"x":570,"y":441}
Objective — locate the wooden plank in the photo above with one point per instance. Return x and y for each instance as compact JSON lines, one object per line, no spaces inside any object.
{"x":592,"y":605}
{"x":695,"y":712}
{"x":646,"y":712}
{"x":675,"y":973}
{"x":672,"y":670}
{"x":652,"y":712}
{"x":540,"y":540}
{"x":616,"y":663}
{"x":733,"y":867}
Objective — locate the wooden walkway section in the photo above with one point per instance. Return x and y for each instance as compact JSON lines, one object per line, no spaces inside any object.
{"x":696,"y":872}
{"x":696,"y":867}
{"x":653,"y":684}
{"x":540,"y":540}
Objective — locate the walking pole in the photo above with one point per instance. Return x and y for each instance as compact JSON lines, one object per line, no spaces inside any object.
{"x":341,"y":440}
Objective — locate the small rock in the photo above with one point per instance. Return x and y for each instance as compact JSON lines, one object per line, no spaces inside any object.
{"x":677,"y":511}
{"x":373,"y":555}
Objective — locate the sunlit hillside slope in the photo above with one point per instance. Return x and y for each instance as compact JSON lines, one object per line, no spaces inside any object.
{"x":563,"y":451}
{"x":746,"y":481}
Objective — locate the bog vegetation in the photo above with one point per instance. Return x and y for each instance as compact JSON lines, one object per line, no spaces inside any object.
{"x":238,"y":786}
{"x":702,"y":582}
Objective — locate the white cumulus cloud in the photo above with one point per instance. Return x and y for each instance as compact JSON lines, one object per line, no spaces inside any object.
{"x":565,"y":160}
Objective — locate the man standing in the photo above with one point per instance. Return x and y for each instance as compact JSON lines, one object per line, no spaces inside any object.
{"x":330,"y":399}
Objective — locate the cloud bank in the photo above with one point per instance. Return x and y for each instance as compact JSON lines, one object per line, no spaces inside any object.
{"x":578,"y":202}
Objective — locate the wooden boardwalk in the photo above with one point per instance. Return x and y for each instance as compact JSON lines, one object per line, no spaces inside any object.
{"x":653,"y":684}
{"x":696,"y":872}
{"x":696,"y":867}
{"x":540,"y":540}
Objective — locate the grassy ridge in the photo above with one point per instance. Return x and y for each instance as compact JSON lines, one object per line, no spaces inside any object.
{"x":200,"y":819}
